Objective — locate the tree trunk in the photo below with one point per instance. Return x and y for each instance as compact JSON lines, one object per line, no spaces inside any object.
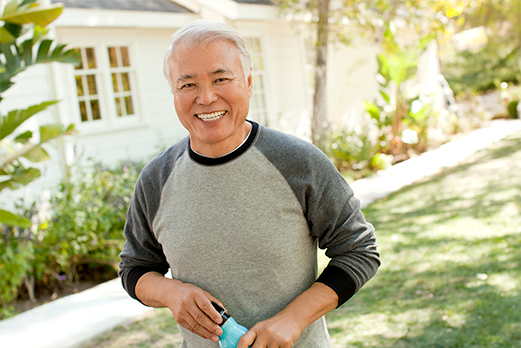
{"x":319,"y":122}
{"x":29,"y":285}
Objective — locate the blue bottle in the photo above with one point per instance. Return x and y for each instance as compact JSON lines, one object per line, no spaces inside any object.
{"x":232,"y":331}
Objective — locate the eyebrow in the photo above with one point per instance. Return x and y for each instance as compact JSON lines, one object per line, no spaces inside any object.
{"x":219,"y":71}
{"x":216,"y":72}
{"x":186,"y":77}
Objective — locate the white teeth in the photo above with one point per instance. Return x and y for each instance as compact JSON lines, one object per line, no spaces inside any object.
{"x":212,"y":116}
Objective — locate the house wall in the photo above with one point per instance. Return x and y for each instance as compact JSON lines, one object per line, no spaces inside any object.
{"x":288,"y":79}
{"x":155,"y":125}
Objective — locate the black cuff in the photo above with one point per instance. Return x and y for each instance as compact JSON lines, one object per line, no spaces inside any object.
{"x":340,"y":281}
{"x":133,"y":277}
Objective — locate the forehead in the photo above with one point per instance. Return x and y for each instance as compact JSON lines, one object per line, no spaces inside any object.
{"x":202,"y":59}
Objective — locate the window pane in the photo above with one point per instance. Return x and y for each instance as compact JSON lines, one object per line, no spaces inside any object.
{"x":130,"y":107}
{"x":91,"y":58}
{"x":94,"y":105}
{"x":113,"y":57}
{"x":80,"y":66}
{"x":257,"y":82}
{"x":124,"y":56}
{"x":119,"y":109}
{"x":83,"y":111}
{"x":126,"y":82}
{"x":115,"y":82}
{"x":79,"y":85}
{"x":254,"y":104}
{"x":91,"y":81}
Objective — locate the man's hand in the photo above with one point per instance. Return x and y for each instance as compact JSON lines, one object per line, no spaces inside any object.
{"x":189,"y":304}
{"x":284,"y":329}
{"x":279,"y":331}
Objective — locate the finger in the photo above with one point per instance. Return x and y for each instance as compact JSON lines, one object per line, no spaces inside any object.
{"x":208,"y":309}
{"x":198,"y":329}
{"x":202,"y":319}
{"x":247,"y":339}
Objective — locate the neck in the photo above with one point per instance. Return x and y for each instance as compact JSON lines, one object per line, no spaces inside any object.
{"x":225,"y":146}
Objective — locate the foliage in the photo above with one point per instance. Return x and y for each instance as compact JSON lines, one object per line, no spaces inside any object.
{"x":483,"y":66}
{"x":87,"y":218}
{"x":353,"y":153}
{"x":19,"y":51}
{"x":344,"y":20}
{"x":512,"y":108}
{"x":82,"y":226}
{"x":397,"y":108}
{"x":14,"y":264}
{"x":478,"y":70}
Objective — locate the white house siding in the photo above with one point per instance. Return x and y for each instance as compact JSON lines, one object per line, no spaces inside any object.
{"x":351,"y":81}
{"x":155,"y":124}
{"x":288,"y":94}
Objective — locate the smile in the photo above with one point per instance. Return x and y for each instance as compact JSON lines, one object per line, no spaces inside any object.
{"x":214,"y":116}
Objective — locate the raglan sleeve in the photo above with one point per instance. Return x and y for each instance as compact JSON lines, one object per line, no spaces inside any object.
{"x":336,"y":220}
{"x":142,"y":253}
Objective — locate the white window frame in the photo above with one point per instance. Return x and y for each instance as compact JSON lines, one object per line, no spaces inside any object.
{"x":261,"y":114}
{"x":106,"y":95}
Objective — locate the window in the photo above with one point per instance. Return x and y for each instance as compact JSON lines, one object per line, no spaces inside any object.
{"x":106,"y":70}
{"x":87,"y":77}
{"x":258,"y":105}
{"x":120,"y":72}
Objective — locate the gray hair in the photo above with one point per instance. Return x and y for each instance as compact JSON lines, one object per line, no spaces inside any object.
{"x":203,"y":32}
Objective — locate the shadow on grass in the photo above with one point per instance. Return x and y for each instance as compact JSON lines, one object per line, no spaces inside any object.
{"x":479,"y":188}
{"x":467,"y":304}
{"x":451,"y":261}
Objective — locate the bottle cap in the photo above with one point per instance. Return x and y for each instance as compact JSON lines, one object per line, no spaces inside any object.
{"x":222,"y":313}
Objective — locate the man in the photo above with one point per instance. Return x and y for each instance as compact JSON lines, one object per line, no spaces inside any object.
{"x":236,"y":210}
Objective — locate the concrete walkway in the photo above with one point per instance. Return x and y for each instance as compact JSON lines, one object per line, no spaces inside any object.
{"x":76,"y":319}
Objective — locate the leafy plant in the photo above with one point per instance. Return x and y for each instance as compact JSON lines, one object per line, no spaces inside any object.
{"x":18,"y":51}
{"x":87,"y":218}
{"x":396,"y":108}
{"x":353,"y":153}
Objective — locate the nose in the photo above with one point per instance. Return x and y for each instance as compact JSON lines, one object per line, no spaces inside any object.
{"x":206,"y":96}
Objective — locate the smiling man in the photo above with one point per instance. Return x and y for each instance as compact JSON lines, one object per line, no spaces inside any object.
{"x":236,"y":211}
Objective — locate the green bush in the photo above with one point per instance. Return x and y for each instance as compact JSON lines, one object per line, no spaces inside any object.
{"x":352,"y":153}
{"x":15,"y":262}
{"x":83,"y":226}
{"x":87,"y":218}
{"x":480,"y":70}
{"x":512,"y":108}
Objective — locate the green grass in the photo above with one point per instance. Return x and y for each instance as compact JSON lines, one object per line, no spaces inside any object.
{"x":451,"y":266}
{"x":451,"y":261}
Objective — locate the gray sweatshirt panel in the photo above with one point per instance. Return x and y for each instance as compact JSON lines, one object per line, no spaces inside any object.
{"x":328,"y":203}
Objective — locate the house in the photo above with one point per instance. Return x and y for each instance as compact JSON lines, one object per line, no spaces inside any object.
{"x":121,"y":104}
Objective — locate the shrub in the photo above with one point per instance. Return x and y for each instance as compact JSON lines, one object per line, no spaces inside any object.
{"x":82,"y":227}
{"x":88,"y":217}
{"x":352,"y":153}
{"x":512,"y":108}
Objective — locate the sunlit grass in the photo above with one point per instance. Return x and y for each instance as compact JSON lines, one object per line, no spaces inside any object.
{"x":451,"y":261}
{"x":451,"y":266}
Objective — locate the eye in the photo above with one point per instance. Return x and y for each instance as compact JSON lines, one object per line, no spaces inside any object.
{"x":187,"y":86}
{"x":221,"y":79}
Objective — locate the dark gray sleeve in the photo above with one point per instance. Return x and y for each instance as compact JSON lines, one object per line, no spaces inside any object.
{"x":142,"y":252}
{"x":331,"y":209}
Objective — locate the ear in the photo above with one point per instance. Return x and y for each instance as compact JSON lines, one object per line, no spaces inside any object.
{"x":250,"y":84}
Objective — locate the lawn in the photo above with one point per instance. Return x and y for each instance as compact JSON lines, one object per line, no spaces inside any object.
{"x":451,"y":266}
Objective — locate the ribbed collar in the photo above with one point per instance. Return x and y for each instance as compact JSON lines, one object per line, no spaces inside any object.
{"x":212,"y":161}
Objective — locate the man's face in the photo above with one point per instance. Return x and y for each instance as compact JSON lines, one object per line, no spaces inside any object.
{"x":211,"y":96}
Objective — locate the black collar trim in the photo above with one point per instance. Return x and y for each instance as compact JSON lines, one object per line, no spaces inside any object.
{"x":211,"y":161}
